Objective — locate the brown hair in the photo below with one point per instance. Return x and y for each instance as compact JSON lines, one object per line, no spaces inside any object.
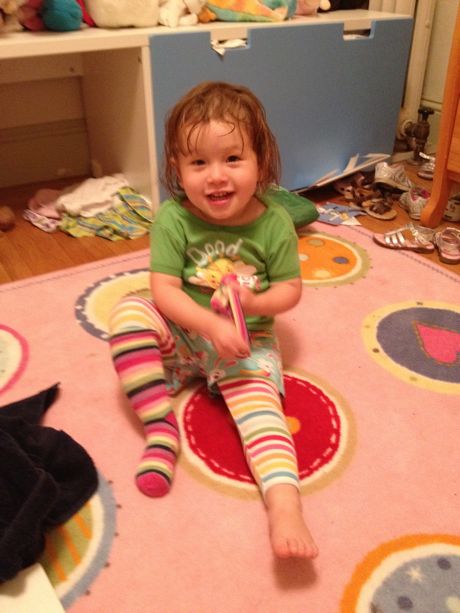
{"x":232,"y":104}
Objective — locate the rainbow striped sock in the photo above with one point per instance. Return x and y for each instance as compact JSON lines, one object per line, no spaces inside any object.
{"x":256,"y":408}
{"x":156,"y":469}
{"x":137,"y":360}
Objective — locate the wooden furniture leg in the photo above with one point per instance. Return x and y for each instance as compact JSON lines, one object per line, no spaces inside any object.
{"x":447,"y":168}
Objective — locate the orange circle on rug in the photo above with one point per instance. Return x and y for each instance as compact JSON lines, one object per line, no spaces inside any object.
{"x":328,"y":260}
{"x":417,"y":572}
{"x":320,"y":422}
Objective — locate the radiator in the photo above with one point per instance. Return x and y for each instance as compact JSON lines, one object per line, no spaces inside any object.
{"x":422,"y":11}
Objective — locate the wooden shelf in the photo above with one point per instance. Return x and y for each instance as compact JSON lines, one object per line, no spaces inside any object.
{"x":31,"y":44}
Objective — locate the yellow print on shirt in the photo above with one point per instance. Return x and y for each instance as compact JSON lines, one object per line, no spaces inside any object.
{"x":211,"y":275}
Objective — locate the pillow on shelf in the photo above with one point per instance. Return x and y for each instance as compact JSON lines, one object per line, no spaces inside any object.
{"x":123,"y":13}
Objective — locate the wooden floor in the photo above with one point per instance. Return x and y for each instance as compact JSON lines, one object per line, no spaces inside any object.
{"x":26,"y":251}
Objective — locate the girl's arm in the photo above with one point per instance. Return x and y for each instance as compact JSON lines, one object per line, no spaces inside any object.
{"x":279,"y":297}
{"x":177,"y":306}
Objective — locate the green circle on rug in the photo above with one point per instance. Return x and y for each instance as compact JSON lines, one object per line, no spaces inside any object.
{"x":319,"y":420}
{"x":326,"y":260}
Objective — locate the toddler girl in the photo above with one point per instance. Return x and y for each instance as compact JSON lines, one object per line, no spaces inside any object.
{"x":221,"y":164}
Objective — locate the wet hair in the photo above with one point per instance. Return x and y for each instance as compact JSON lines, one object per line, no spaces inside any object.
{"x":235,"y":105}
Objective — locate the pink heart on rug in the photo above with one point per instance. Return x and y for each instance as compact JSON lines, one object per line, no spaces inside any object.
{"x":440,"y":344}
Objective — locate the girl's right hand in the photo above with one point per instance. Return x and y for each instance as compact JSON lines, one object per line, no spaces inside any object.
{"x":226,"y":339}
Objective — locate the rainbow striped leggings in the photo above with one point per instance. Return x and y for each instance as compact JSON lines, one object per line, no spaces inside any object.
{"x":145,"y":354}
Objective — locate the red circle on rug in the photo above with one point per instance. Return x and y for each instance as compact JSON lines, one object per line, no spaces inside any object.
{"x":312,"y":416}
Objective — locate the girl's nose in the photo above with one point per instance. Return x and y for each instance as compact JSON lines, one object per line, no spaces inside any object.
{"x":216,"y":173}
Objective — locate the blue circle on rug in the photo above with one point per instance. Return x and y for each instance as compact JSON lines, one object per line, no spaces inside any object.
{"x":93,"y":307}
{"x":77,"y":551}
{"x":425,"y":340}
{"x":429,"y":583}
{"x":415,"y":572}
{"x":418,"y":342}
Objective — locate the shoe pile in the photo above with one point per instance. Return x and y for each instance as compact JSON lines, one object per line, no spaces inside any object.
{"x":376,"y":196}
{"x":361,"y":191}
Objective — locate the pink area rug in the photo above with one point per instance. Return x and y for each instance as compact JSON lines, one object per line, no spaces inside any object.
{"x":372,"y":358}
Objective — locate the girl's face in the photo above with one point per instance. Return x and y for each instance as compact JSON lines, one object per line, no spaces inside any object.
{"x":220,"y":175}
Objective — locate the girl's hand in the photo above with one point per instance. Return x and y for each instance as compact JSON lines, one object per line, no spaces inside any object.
{"x":226,"y":339}
{"x":248,"y":299}
{"x":279,"y":297}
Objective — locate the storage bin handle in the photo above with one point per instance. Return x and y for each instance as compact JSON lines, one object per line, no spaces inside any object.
{"x":231,"y":33}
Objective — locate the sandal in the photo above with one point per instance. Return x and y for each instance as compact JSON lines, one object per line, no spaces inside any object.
{"x":410,"y":238}
{"x":345,"y":185}
{"x":379,"y":208}
{"x":448,"y":243}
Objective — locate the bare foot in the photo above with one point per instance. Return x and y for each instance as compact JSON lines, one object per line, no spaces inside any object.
{"x":289,"y":534}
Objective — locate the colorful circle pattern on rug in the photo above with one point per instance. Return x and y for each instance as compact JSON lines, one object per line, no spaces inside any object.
{"x":93,"y":307}
{"x":14,"y":354}
{"x":418,"y":572}
{"x":319,"y":420}
{"x":328,"y":260}
{"x":76,"y":551}
{"x":418,"y":342}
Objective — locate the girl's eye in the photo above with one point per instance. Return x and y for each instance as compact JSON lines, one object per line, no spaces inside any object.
{"x":197,"y":162}
{"x":233,"y":158}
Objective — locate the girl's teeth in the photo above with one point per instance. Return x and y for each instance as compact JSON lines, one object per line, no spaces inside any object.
{"x":218,"y":196}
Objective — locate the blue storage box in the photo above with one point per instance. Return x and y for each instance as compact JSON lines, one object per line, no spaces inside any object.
{"x":328,"y":96}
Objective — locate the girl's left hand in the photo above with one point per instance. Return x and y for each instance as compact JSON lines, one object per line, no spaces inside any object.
{"x":247,"y":298}
{"x":279,"y":297}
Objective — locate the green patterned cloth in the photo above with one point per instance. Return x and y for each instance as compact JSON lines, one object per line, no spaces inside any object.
{"x":130,"y":218}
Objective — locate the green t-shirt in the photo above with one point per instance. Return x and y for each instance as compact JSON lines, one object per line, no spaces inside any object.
{"x":200,"y":253}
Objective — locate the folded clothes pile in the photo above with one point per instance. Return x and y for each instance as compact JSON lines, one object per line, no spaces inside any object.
{"x":105,"y":207}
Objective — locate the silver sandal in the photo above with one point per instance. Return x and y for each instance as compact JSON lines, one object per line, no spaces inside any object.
{"x":448,"y":243}
{"x":409,"y":237}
